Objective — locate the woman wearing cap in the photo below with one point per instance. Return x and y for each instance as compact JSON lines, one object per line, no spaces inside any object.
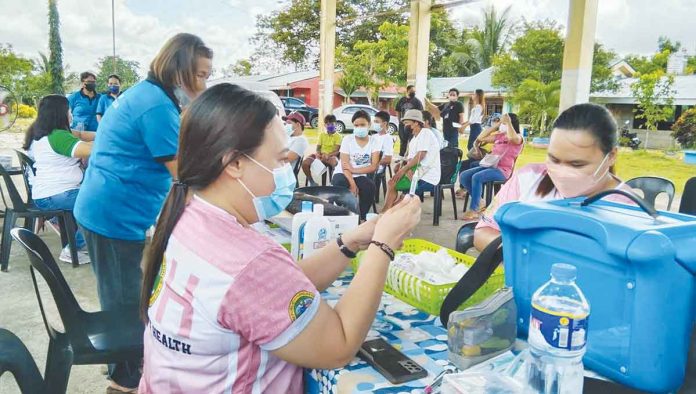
{"x":297,"y":143}
{"x":130,"y":172}
{"x":227,"y":308}
{"x":359,"y":157}
{"x":423,"y":159}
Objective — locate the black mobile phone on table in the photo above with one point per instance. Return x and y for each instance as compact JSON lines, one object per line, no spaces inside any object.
{"x":391,"y":363}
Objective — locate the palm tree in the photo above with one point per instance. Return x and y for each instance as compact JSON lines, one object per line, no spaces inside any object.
{"x":491,"y":39}
{"x":538,"y":102}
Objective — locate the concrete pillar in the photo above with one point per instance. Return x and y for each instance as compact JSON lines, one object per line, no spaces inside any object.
{"x":419,"y":46}
{"x":578,"y":53}
{"x":327,"y":52}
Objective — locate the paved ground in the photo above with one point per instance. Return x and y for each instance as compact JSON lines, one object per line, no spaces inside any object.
{"x":19,"y":310}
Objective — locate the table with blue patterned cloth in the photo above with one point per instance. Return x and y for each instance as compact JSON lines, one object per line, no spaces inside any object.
{"x":417,"y":334}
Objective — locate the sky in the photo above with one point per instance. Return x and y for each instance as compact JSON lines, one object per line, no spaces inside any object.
{"x":142,"y":26}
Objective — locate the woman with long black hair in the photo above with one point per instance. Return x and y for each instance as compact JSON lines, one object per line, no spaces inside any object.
{"x":130,"y":172}
{"x":57,"y":152}
{"x":228,"y":309}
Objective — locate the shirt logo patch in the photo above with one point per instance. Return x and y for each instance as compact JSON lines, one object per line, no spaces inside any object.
{"x":300,"y":303}
{"x":159,"y":280}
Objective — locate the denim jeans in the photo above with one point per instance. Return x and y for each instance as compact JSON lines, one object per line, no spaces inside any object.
{"x":474,"y":131}
{"x":452,"y":138}
{"x":423,"y":187}
{"x":473,"y":180}
{"x":65,"y":200}
{"x":116,"y":264}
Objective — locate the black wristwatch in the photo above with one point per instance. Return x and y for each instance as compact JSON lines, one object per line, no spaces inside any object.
{"x":344,"y":249}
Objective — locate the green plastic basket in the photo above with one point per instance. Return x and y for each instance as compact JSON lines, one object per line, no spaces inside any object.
{"x":425,"y":296}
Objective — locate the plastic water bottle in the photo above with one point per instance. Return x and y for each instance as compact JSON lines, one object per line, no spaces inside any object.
{"x":557,"y":336}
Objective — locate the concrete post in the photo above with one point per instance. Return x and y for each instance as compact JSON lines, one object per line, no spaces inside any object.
{"x":327,"y":52}
{"x":419,"y":46}
{"x":578,"y":53}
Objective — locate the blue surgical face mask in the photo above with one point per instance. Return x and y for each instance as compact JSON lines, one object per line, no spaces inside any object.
{"x":288,"y":129}
{"x":361,"y":132}
{"x":273,"y":204}
{"x":114,"y":89}
{"x":377,"y":127}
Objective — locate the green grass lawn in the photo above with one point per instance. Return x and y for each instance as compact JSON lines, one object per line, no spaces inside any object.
{"x":630,"y":164}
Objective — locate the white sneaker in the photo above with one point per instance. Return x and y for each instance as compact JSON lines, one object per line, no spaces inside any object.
{"x":82,"y":256}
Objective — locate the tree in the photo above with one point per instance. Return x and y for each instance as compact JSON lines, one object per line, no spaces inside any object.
{"x":14,"y":71}
{"x":444,"y":39}
{"x":537,"y":54}
{"x":654,"y":94}
{"x":127,"y":70}
{"x":353,"y":74}
{"x":665,"y":44}
{"x":538,"y":102}
{"x":374,"y":64}
{"x":55,"y":48}
{"x":691,"y":65}
{"x":461,"y":60}
{"x":242,"y":67}
{"x":602,"y":77}
{"x":490,"y":40}
{"x":684,"y":129}
{"x":294,"y":31}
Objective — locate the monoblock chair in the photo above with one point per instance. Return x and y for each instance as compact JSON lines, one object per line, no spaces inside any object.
{"x":333,"y":194}
{"x":26,"y":163}
{"x":652,"y":186}
{"x":450,"y":160}
{"x":16,"y":359}
{"x":89,"y":337}
{"x":688,"y":199}
{"x":26,"y":210}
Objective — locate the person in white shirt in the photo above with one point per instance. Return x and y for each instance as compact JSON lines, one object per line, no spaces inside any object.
{"x":386,"y":142}
{"x":359,"y":159}
{"x":422,"y":160}
{"x":297,"y":143}
{"x":475,"y":118}
{"x":57,"y":152}
{"x":429,"y":123}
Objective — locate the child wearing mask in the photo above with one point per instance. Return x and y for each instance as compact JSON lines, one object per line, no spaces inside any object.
{"x":327,"y":149}
{"x":359,"y":159}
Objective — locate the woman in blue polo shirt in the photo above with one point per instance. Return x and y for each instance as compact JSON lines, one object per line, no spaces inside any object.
{"x":83,"y":104}
{"x":130,"y":172}
{"x":113,"y":89}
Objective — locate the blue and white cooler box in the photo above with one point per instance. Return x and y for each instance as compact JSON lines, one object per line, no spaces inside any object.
{"x":638,"y":272}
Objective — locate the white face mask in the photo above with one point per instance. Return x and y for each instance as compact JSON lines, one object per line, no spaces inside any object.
{"x":180,"y":94}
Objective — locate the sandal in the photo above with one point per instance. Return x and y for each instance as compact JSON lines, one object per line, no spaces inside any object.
{"x":461,"y":193}
{"x":473,"y":215}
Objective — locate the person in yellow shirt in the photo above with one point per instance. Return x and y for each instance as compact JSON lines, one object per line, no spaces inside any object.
{"x":327,"y":149}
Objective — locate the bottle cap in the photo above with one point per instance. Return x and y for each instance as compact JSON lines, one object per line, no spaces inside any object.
{"x":319,"y":210}
{"x":564,"y":272}
{"x":307,"y":206}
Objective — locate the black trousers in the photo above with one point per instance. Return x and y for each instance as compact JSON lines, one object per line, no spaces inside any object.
{"x":366,"y":191}
{"x":404,"y":138}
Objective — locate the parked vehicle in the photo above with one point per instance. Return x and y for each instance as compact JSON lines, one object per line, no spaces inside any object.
{"x":629,"y":139}
{"x":293,"y":104}
{"x":344,"y":115}
{"x":259,"y":89}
